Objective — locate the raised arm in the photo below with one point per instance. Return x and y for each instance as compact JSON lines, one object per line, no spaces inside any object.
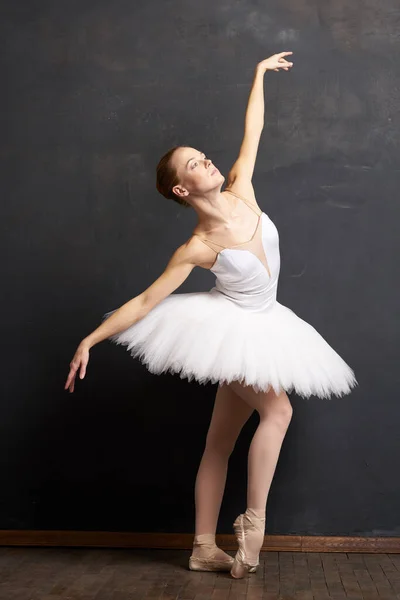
{"x":243,"y":167}
{"x":177,"y":270}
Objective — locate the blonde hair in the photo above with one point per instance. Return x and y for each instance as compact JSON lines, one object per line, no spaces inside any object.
{"x":167,"y":177}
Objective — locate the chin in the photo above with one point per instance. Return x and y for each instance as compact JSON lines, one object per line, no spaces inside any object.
{"x":219,"y":182}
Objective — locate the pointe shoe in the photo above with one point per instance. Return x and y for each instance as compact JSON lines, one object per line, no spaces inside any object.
{"x":209,"y":564}
{"x":209,"y":556}
{"x":247,"y":526}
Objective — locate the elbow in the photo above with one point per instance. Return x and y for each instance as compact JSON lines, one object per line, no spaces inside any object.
{"x":145,"y":305}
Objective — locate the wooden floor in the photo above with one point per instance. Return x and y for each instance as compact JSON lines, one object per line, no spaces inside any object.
{"x":130,"y":574}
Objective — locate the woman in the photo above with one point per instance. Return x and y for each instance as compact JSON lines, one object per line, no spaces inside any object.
{"x":236,"y":334}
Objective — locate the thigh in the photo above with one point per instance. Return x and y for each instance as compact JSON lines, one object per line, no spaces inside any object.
{"x":229,"y":415}
{"x":267,"y":403}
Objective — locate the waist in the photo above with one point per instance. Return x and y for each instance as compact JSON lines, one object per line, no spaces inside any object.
{"x":247,"y":300}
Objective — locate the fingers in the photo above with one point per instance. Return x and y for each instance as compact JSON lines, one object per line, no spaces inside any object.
{"x":70,"y":380}
{"x":84,"y":361}
{"x":284,"y":64}
{"x":280,"y":56}
{"x":70,"y":375}
{"x":70,"y":383}
{"x":78,"y":363}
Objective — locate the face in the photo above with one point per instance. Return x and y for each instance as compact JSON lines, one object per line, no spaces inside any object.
{"x":197,"y":174}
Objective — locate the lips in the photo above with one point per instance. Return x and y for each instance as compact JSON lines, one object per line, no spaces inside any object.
{"x":214,"y":171}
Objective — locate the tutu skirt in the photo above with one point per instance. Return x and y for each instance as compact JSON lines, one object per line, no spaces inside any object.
{"x":203,"y":336}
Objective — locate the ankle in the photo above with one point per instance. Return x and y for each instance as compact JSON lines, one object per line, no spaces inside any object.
{"x":259,"y":513}
{"x":204,"y":547}
{"x":204,"y":544}
{"x":204,"y":539}
{"x":257,"y":518}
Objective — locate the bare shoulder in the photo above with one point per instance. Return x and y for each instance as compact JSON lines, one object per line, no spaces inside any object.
{"x":194,"y":252}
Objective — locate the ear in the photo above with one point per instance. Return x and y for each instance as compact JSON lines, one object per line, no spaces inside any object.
{"x":180,"y":191}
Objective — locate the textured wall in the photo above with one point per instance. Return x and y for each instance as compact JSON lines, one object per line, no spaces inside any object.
{"x":94,"y":93}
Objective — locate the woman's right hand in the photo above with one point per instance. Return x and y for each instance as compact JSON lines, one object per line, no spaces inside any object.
{"x":79,"y":361}
{"x":275,"y":62}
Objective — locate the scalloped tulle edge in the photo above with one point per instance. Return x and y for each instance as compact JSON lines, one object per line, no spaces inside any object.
{"x":163,"y":341}
{"x":327,"y":393}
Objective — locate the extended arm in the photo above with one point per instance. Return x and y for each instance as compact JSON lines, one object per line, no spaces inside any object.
{"x":254,"y":119}
{"x":177,"y":270}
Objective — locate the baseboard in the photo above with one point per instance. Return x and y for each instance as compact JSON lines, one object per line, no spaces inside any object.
{"x":184,"y":541}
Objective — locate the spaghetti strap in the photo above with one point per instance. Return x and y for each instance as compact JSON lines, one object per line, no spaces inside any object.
{"x":205,"y":240}
{"x":249,"y":204}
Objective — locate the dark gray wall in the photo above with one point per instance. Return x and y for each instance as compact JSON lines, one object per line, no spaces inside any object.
{"x":94,"y":93}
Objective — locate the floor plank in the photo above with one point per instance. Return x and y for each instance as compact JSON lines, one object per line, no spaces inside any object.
{"x":28,"y":573}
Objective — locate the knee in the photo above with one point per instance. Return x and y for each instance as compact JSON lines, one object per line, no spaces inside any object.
{"x":280,"y":412}
{"x":221,"y":446}
{"x":282,"y":419}
{"x":217,"y":445}
{"x":218,"y":451}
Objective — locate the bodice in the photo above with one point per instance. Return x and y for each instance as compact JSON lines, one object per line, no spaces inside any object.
{"x":243,"y":278}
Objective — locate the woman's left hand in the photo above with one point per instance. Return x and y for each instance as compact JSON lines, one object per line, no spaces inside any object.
{"x":275,"y":62}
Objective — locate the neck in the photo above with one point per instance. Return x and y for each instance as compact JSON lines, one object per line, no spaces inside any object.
{"x":214,"y":209}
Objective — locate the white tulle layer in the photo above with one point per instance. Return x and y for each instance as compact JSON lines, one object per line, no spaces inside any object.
{"x":204,"y":336}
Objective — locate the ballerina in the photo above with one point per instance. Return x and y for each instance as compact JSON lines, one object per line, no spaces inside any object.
{"x":236,"y":334}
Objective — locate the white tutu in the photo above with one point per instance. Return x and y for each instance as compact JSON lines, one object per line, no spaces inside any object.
{"x":238,"y":330}
{"x":204,"y":336}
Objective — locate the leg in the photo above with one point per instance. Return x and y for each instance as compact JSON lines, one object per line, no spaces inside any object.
{"x":275,"y":414}
{"x":230,"y":413}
